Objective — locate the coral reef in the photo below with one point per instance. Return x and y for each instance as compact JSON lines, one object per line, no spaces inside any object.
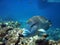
{"x":9,"y":32}
{"x":37,"y":32}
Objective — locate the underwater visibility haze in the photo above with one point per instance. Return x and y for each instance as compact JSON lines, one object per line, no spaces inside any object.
{"x":24,"y":9}
{"x":36,"y":17}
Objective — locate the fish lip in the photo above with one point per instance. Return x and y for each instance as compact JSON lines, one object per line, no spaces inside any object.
{"x":41,"y":30}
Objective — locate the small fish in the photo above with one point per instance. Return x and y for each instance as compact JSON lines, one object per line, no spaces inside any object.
{"x":6,"y":18}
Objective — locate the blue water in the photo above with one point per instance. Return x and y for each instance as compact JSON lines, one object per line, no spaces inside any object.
{"x":22,"y":10}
